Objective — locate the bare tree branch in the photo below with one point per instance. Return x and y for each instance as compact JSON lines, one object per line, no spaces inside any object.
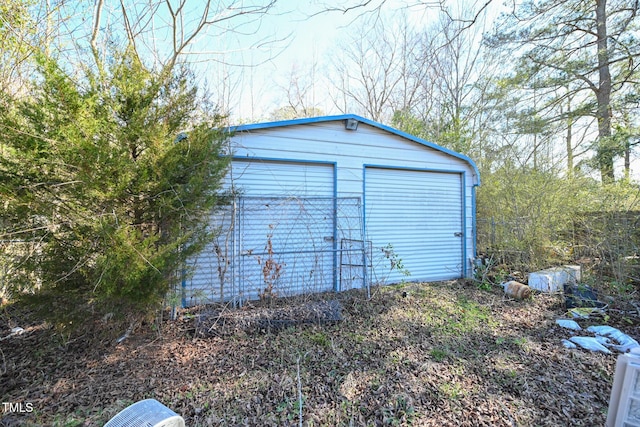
{"x":97,"y":15}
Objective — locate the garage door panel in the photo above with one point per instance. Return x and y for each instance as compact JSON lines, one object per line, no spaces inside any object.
{"x":419,"y":213}
{"x":271,"y":178}
{"x":285,"y":212}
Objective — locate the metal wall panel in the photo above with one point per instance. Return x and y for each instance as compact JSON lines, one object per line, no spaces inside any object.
{"x":282,"y":178}
{"x":420,"y":214}
{"x":285,"y":246}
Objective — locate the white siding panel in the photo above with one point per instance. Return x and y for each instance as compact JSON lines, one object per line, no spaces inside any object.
{"x":203,"y":282}
{"x":348,"y":149}
{"x":291,"y":227}
{"x":419,"y":213}
{"x":292,"y":239}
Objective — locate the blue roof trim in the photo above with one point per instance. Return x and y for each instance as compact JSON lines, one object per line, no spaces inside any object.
{"x":321,"y":119}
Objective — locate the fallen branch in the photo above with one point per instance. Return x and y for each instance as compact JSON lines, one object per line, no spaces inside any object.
{"x":504,"y":407}
{"x":14,"y":332}
{"x":128,"y":332}
{"x":4,"y":364}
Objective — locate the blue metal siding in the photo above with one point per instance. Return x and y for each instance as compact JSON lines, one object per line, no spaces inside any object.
{"x":290,"y":158}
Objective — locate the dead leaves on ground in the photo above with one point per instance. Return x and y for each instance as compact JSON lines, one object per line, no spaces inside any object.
{"x":442,"y":354}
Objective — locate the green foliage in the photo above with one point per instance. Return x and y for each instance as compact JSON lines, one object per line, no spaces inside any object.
{"x":438,"y":354}
{"x":607,"y":231}
{"x":552,"y":47}
{"x":409,"y":123}
{"x":526,"y":212}
{"x":17,"y":31}
{"x":489,"y":274}
{"x":452,"y":133}
{"x":94,"y":178}
{"x":395,"y":262}
{"x":531,"y":219}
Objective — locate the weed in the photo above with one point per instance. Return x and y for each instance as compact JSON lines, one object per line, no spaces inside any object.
{"x":514,"y":341}
{"x":465,"y":316}
{"x":451,"y":390}
{"x":520,"y":342}
{"x":438,"y":354}
{"x":622,"y":287}
{"x":289,"y":410}
{"x":173,"y":298}
{"x":390,"y":364}
{"x":481,"y":275}
{"x":399,"y":411}
{"x":489,"y":274}
{"x":271,"y":269}
{"x":395,"y":358}
{"x":355,"y":337}
{"x":320,"y":338}
{"x":395,"y":262}
{"x":282,"y":406}
{"x":484,"y":285}
{"x":78,"y":418}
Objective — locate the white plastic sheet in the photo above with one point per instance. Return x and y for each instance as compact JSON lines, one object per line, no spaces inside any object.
{"x":569,"y":324}
{"x":590,"y":343}
{"x":625,"y":342}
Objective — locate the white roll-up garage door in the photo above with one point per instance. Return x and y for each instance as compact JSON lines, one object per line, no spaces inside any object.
{"x":420,"y":214}
{"x":284,"y":214}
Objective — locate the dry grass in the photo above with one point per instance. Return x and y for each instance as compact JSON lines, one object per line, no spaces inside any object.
{"x":441,"y":354}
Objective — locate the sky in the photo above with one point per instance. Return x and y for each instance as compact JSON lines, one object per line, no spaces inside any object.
{"x":247,"y":69}
{"x":261,"y":70}
{"x":257,"y":74}
{"x":246,"y":62}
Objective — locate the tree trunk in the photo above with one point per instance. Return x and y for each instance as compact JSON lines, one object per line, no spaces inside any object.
{"x":569,"y":138}
{"x":603,"y":94}
{"x":627,"y":161}
{"x":569,"y":148}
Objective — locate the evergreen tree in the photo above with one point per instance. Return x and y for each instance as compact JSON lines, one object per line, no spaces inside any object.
{"x":111,"y":177}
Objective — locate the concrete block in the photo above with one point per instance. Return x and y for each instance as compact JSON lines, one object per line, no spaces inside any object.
{"x":574,"y":272}
{"x":553,"y":279}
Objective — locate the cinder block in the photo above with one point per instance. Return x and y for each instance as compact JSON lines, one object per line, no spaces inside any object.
{"x":574,"y":272}
{"x":553,"y":279}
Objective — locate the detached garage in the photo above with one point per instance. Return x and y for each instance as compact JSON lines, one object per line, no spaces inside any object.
{"x":332,"y":203}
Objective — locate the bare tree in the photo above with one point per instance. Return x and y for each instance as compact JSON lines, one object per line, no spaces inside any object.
{"x":380,"y":73}
{"x":448,"y":105}
{"x":169,"y":31}
{"x":24,"y":30}
{"x":374,"y":8}
{"x":450,"y":88}
{"x":300,"y":93}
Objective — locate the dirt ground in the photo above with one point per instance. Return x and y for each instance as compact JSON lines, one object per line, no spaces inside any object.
{"x":440,"y":354}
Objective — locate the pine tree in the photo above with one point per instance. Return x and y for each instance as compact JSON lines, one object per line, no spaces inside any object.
{"x":580,"y":53}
